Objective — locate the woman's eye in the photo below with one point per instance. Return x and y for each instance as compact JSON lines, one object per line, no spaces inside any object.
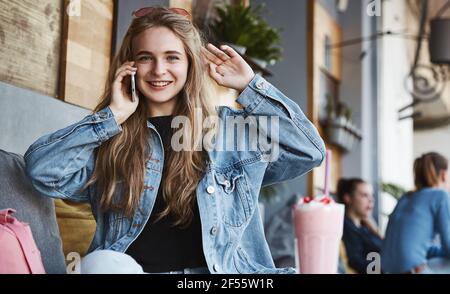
{"x":172,"y":58}
{"x":144,"y":58}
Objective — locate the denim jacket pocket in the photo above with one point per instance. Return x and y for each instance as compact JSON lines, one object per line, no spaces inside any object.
{"x":235,"y":202}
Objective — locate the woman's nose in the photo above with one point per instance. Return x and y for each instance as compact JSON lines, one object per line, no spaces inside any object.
{"x":159,"y":68}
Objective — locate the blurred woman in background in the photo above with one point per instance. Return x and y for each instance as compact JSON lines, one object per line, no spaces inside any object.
{"x":360,"y":235}
{"x":417,"y":219}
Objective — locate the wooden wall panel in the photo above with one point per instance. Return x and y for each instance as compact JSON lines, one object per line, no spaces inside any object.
{"x":336,"y":172}
{"x":322,"y":24}
{"x":87,"y":53}
{"x":326,"y":25}
{"x":30,"y":44}
{"x":185,"y":4}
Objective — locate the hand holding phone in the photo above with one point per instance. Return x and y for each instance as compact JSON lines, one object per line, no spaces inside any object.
{"x":123,"y":101}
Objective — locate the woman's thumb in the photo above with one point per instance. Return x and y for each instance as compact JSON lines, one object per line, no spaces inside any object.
{"x":213,"y":72}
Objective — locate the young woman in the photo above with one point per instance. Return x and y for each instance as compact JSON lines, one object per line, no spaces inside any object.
{"x":177,"y":209}
{"x":360,"y":236}
{"x":419,"y":216}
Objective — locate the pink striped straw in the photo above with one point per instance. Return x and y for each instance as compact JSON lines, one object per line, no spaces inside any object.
{"x":327,"y":172}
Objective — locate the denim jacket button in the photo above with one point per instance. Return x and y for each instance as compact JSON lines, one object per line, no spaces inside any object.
{"x":227,"y":183}
{"x":213,"y":230}
{"x":210,"y":189}
{"x":216,"y":267}
{"x":102,"y":115}
{"x":260,"y":85}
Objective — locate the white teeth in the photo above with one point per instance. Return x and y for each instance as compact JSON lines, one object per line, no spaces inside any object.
{"x":159,"y":84}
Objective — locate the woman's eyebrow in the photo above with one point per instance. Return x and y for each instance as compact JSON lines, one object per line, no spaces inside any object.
{"x":143,"y":52}
{"x":150,"y":53}
{"x":173,"y":52}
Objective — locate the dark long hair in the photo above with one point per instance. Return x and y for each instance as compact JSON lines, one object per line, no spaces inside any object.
{"x":427,"y":168}
{"x":347,"y":186}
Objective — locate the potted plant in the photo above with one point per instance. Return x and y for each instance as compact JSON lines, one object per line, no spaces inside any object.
{"x":341,"y":131}
{"x":336,"y":123}
{"x":243,"y":27}
{"x":395,"y":190}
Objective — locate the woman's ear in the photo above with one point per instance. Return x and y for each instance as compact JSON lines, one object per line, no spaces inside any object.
{"x":347,"y":199}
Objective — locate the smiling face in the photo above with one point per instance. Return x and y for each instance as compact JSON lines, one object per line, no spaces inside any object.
{"x":162,"y":65}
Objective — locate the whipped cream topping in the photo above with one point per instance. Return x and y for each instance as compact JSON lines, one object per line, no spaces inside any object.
{"x":308,"y":203}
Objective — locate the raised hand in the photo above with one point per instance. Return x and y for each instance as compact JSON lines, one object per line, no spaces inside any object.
{"x":121,"y":104}
{"x":227,"y":67}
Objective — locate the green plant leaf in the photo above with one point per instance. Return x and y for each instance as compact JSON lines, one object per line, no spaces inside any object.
{"x":393,"y":189}
{"x":245,"y":26}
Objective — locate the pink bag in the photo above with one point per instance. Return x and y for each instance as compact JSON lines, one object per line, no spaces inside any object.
{"x":18,"y":251}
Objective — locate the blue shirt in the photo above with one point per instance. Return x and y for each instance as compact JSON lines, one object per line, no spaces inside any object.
{"x":61,"y":163}
{"x":412,"y":228}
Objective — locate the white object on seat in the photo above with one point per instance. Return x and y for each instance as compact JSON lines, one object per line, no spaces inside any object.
{"x":109,"y":262}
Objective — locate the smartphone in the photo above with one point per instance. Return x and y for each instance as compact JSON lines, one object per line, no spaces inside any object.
{"x":133,"y":88}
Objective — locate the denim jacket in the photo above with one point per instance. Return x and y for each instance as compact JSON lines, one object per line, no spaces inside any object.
{"x":60,"y":164}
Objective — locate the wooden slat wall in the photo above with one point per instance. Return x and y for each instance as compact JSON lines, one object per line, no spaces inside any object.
{"x":185,"y":4}
{"x":29,"y":44}
{"x":322,"y":24}
{"x":87,"y":53}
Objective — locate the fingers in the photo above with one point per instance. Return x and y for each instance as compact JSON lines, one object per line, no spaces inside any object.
{"x":124,"y":70}
{"x":214,"y":74}
{"x":220,"y":70}
{"x":229,"y":51}
{"x":218,"y":53}
{"x":211,"y":57}
{"x":122,"y":74}
{"x":217,"y":56}
{"x":126,"y":65}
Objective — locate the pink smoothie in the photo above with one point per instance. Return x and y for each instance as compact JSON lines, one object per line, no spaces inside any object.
{"x":318,"y":224}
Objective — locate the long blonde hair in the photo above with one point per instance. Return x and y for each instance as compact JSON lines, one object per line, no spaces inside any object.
{"x":122,"y":159}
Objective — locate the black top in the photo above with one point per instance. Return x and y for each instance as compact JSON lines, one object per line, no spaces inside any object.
{"x":162,"y":247}
{"x":359,"y":242}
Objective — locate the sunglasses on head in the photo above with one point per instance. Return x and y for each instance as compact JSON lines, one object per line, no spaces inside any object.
{"x":147,"y":10}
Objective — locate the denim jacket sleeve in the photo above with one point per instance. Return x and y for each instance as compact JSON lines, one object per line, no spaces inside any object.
{"x":300,"y":146}
{"x":61,"y":163}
